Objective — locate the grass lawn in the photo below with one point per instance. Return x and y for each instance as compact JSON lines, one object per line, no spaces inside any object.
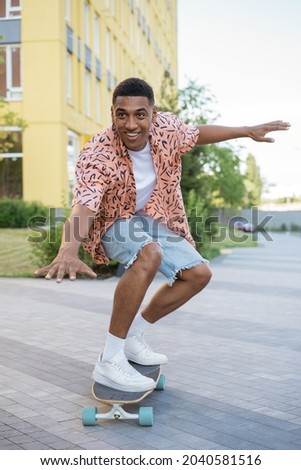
{"x":15,"y":253}
{"x":232,"y":238}
{"x":227,"y":238}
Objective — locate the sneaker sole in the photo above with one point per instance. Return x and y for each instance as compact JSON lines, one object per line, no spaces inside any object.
{"x":133,"y":358}
{"x":100,"y":379}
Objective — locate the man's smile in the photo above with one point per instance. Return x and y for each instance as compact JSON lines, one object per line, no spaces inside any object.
{"x":133,"y":116}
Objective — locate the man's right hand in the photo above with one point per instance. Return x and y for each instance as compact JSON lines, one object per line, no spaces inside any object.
{"x":65,"y":263}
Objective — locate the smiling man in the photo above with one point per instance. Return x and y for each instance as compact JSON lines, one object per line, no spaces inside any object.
{"x":128,"y":206}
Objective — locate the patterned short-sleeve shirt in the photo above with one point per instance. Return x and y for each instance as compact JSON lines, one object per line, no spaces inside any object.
{"x":105,"y":181}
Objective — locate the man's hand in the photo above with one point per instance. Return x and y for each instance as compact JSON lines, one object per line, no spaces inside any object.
{"x":65,"y":263}
{"x":258,"y":133}
{"x":76,"y":229}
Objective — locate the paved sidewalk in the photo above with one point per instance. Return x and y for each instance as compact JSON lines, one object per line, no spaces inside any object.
{"x":233,"y":379}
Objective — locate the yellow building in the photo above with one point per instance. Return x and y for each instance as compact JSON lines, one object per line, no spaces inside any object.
{"x":60,"y":60}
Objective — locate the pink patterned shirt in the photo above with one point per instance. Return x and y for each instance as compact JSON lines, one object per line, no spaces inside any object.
{"x":106,"y":185}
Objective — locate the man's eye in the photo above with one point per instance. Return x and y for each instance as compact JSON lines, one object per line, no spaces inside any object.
{"x":141,"y":115}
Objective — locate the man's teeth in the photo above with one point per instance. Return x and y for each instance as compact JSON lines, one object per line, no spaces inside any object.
{"x":132,"y":134}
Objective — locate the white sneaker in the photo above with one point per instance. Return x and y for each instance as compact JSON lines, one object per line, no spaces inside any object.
{"x":117,"y":373}
{"x":138,"y":351}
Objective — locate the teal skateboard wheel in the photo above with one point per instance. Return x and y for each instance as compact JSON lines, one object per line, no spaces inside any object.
{"x":146,"y":416}
{"x":89,"y":416}
{"x":161,"y":383}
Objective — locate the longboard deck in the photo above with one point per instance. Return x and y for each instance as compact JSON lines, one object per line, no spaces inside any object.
{"x":111,"y":396}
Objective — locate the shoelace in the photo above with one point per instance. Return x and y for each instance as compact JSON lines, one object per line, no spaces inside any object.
{"x":125,"y":368}
{"x":144,"y":344}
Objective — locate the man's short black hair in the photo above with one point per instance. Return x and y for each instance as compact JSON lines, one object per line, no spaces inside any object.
{"x":134,"y":87}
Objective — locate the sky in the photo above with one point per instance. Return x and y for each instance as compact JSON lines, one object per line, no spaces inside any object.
{"x":248,"y":53}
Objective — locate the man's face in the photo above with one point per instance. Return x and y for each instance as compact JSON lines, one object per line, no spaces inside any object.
{"x":133,"y":116}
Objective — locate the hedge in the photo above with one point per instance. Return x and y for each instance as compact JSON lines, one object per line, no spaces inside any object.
{"x":16,"y":213}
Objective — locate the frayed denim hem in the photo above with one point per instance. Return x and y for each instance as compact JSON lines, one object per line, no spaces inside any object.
{"x":133,"y":259}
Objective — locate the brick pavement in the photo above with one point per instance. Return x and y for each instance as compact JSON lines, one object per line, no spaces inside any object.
{"x":233,"y":379}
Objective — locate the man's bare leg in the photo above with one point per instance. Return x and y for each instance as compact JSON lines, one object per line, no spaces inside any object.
{"x":132,"y":287}
{"x":112,"y":368}
{"x":169,"y":298}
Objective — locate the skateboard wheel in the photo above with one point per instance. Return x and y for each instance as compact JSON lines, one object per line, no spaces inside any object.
{"x":161,"y":383}
{"x":89,"y":416}
{"x":146,"y":416}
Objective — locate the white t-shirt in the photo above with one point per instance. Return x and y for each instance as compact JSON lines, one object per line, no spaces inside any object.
{"x":144,"y":173}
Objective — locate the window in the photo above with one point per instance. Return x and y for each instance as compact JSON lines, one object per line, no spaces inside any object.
{"x":88,"y":58}
{"x":87,"y":24}
{"x":10,"y":8}
{"x":67,"y":11}
{"x":87,"y":93}
{"x":10,"y":142}
{"x":98,"y":69}
{"x":109,"y":80}
{"x":108,"y":50}
{"x":114,"y":54}
{"x":132,"y":29}
{"x":14,"y":8}
{"x":72,"y":153}
{"x":96,"y":36}
{"x":10,"y":72}
{"x":10,"y":162}
{"x":108,"y":59}
{"x":11,"y":177}
{"x":79,"y":46}
{"x":97,"y":102}
{"x":2,"y":9}
{"x":69,"y":78}
{"x":69,"y":37}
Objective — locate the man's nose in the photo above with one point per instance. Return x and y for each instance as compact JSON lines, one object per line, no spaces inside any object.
{"x":131,"y":122}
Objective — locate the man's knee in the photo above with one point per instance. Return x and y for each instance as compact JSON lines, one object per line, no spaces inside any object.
{"x":198,"y":276}
{"x":150,"y":255}
{"x":202,"y":276}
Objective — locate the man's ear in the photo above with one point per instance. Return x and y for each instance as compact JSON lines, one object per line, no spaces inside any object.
{"x":155,"y":112}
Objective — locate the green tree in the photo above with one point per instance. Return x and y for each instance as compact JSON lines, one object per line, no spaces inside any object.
{"x":8,"y":118}
{"x":211,"y":175}
{"x":213,"y":171}
{"x":169,"y":95}
{"x":254,"y":183}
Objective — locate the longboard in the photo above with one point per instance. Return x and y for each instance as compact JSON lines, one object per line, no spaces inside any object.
{"x":116,"y":399}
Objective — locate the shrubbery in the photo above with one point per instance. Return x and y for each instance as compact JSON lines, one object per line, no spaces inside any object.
{"x":16,"y":213}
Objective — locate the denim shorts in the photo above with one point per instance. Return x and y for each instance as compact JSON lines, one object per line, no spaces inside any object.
{"x":126,"y":237}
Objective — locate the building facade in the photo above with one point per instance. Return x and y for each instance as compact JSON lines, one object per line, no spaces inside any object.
{"x":59,"y":63}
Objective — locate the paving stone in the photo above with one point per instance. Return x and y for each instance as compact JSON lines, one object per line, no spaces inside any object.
{"x":233,"y":377}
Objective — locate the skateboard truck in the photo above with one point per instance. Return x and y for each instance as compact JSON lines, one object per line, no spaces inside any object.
{"x":90,"y":415}
{"x":144,"y":417}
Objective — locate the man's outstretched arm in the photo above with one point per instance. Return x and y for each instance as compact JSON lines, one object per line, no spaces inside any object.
{"x":67,"y":261}
{"x":211,"y":134}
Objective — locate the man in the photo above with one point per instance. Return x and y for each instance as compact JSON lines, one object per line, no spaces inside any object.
{"x":128,"y":206}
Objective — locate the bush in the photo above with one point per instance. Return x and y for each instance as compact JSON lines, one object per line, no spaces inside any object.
{"x":202,"y":227}
{"x":283,"y":228}
{"x":16,"y":213}
{"x":295,"y":228}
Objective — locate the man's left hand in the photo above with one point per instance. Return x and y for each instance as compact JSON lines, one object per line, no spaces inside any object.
{"x":258,"y":133}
